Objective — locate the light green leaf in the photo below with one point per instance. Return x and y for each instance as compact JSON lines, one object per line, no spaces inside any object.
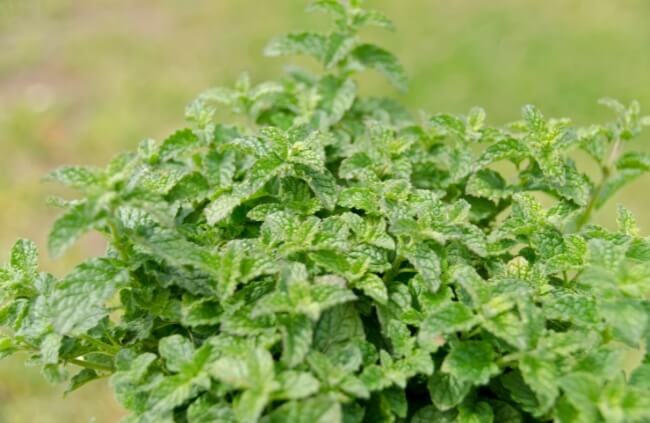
{"x":79,"y":300}
{"x":177,"y":351}
{"x":297,"y":336}
{"x":542,"y":376}
{"x":446,"y":391}
{"x":68,"y":228}
{"x":430,"y":414}
{"x":296,"y":385}
{"x":308,"y":43}
{"x":476,"y":412}
{"x":177,"y":144}
{"x":78,"y":177}
{"x":24,"y":257}
{"x":426,"y":262}
{"x":471,"y":362}
{"x":321,"y":409}
{"x":371,"y":56}
{"x":449,"y":318}
{"x":374,"y":287}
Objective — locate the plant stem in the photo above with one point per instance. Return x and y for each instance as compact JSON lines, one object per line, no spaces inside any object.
{"x":606,"y":170}
{"x":117,"y":241}
{"x":113,"y":349}
{"x":394,"y":270}
{"x":90,"y":365}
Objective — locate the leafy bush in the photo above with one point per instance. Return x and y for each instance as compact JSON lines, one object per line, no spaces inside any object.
{"x":334,"y":260}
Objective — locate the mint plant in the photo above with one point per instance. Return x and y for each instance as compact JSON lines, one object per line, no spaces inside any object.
{"x":330,"y":258}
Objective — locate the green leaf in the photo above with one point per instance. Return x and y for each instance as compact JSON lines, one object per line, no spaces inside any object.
{"x":318,"y":255}
{"x":338,"y":96}
{"x":534,"y":118}
{"x":249,"y":372}
{"x":371,"y":56}
{"x":359,"y":198}
{"x":81,"y":379}
{"x":78,"y":177}
{"x":80,"y":299}
{"x":204,"y":410}
{"x":471,"y":362}
{"x":542,"y":376}
{"x":431,"y":414}
{"x":425,"y":260}
{"x":297,"y":336}
{"x":68,"y":228}
{"x":308,"y":43}
{"x":221,"y":208}
{"x":477,"y":412}
{"x":7,"y":347}
{"x":446,"y":391}
{"x":374,"y":287}
{"x":627,"y":319}
{"x":177,"y":250}
{"x":296,"y":385}
{"x":337,"y":48}
{"x":451,"y":317}
{"x":172,"y":391}
{"x":322,"y":183}
{"x":262,"y":171}
{"x":254,"y":374}
{"x":508,"y":149}
{"x":626,"y":222}
{"x":488,"y":184}
{"x":50,"y":347}
{"x":177,"y":351}
{"x":24,"y":256}
{"x":177,"y":144}
{"x":320,"y":409}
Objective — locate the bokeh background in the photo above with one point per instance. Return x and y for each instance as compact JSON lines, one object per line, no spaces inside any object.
{"x":83,"y":80}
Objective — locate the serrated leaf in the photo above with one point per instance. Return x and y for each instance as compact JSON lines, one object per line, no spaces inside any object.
{"x":68,"y":228}
{"x":308,"y":43}
{"x":177,"y":144}
{"x":78,"y":177}
{"x":205,"y":410}
{"x":471,"y":362}
{"x":446,"y":391}
{"x":321,"y":409}
{"x":82,"y":378}
{"x":374,"y":287}
{"x":79,"y":300}
{"x":476,"y":412}
{"x":322,"y":183}
{"x":371,"y":56}
{"x":296,"y":385}
{"x":449,"y":318}
{"x":177,"y":351}
{"x":24,"y":256}
{"x":541,"y":375}
{"x":488,"y":184}
{"x":297,"y":336}
{"x":426,"y":262}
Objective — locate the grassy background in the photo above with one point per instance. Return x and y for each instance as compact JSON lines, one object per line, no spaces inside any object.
{"x":82,"y":80}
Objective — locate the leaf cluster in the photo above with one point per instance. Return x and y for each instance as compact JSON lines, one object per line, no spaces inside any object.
{"x":336,"y":260}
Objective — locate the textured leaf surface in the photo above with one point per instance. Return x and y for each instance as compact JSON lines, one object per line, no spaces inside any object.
{"x":327,"y":257}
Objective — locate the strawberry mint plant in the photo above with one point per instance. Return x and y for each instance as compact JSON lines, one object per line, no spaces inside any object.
{"x":335,"y":259}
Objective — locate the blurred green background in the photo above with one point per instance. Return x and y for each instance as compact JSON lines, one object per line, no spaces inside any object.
{"x":82,"y":80}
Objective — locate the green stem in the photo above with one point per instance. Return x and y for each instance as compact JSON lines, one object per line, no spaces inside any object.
{"x":101,"y":345}
{"x":394,"y":270}
{"x":75,"y":361}
{"x":117,"y":241}
{"x":508,"y":359}
{"x":91,"y":365}
{"x":606,"y":172}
